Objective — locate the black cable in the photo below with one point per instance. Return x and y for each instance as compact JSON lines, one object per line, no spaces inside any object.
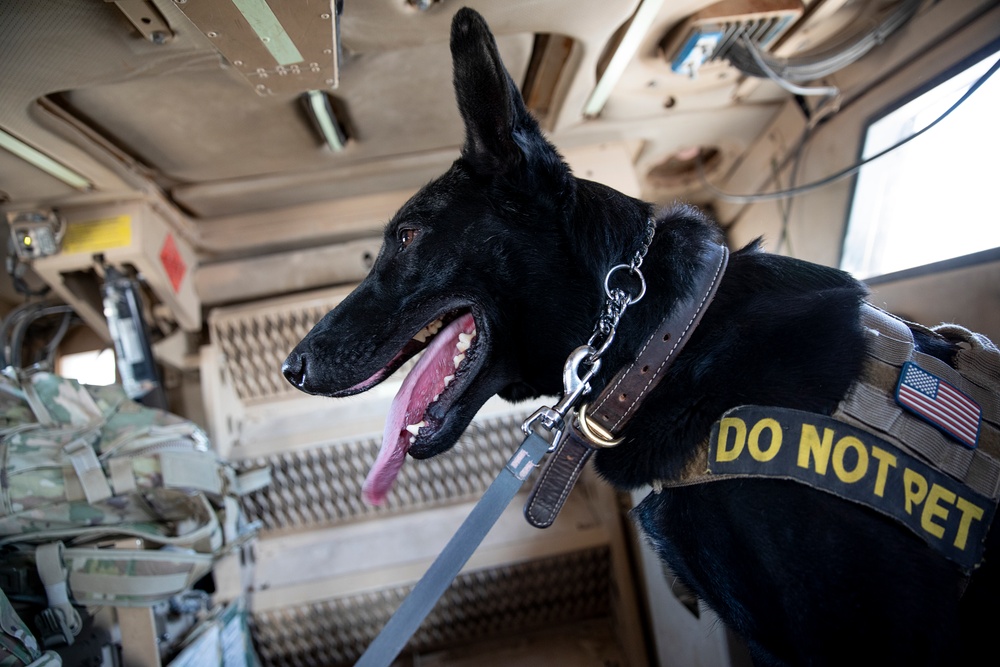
{"x":843,"y":173}
{"x":24,"y":323}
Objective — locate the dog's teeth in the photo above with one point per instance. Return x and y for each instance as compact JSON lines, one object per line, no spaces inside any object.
{"x":415,"y":428}
{"x":463,"y":345}
{"x":412,"y":439}
{"x":436,"y":397}
{"x":428,"y":331}
{"x":458,"y":360}
{"x":448,"y":379}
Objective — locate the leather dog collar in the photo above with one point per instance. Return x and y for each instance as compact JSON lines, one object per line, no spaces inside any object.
{"x":623,"y":395}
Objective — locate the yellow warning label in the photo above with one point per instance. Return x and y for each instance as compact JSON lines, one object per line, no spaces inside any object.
{"x":98,"y":235}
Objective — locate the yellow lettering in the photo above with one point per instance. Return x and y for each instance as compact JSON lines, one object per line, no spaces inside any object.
{"x":914,"y":489}
{"x":861,"y":467}
{"x":885,"y":459}
{"x":754,"y":445}
{"x":722,"y":453}
{"x":932,"y":509}
{"x":810,"y":444}
{"x":970,"y":513}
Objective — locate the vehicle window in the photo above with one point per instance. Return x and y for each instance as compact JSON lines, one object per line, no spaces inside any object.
{"x":934,"y":198}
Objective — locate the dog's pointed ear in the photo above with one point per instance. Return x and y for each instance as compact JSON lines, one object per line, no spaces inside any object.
{"x":490,"y":103}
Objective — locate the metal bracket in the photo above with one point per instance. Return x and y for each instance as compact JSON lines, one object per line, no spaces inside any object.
{"x":147,"y":19}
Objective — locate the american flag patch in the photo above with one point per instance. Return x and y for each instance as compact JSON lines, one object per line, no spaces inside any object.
{"x":931,"y":398}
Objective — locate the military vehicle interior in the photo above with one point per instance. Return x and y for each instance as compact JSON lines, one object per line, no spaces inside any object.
{"x":187,"y":186}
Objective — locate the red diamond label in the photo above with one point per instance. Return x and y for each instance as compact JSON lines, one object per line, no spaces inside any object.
{"x":173,"y":263}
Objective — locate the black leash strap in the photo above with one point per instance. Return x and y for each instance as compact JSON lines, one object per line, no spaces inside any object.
{"x":442,"y":572}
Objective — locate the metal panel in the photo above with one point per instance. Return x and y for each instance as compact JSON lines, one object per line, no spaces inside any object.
{"x":280,"y":47}
{"x":320,"y":486}
{"x":478,"y":605}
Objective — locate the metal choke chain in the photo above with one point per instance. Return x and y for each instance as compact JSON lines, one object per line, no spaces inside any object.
{"x":584,"y":362}
{"x":618,"y":299}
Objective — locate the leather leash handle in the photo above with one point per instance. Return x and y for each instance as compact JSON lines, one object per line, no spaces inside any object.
{"x":623,"y":395}
{"x":556,"y":480}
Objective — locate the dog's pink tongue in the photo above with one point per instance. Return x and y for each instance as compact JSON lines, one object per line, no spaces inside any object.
{"x":418,"y":390}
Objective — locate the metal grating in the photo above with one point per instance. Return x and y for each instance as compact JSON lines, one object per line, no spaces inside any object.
{"x":321,"y":485}
{"x":478,"y":605}
{"x":255,"y":340}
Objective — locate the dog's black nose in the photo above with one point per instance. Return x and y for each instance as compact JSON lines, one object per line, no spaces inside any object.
{"x":294,"y":369}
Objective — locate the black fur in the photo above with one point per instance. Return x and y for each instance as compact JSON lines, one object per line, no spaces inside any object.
{"x":510,"y":234}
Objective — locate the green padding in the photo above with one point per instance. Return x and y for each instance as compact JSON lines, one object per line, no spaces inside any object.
{"x":269,"y":29}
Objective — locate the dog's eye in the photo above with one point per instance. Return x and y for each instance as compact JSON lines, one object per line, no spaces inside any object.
{"x":406,"y":236}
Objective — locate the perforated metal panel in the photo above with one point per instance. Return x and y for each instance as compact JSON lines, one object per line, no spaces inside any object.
{"x":478,"y":605}
{"x":254,"y":341}
{"x":321,"y":485}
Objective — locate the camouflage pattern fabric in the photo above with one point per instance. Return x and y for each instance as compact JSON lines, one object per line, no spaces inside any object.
{"x":18,"y":647}
{"x":39,"y":495}
{"x":163,"y":485}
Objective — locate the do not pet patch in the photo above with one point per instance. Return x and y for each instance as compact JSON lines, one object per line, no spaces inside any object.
{"x":858,"y":466}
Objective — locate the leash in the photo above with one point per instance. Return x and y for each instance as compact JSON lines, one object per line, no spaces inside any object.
{"x":581,"y":366}
{"x":442,"y":572}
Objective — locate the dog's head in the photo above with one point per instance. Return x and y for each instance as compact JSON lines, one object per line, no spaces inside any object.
{"x":464,"y":274}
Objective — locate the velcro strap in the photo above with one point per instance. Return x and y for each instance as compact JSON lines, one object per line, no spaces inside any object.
{"x":191,"y":470}
{"x":252,"y":480}
{"x":88,"y":470}
{"x":122,"y":476}
{"x":132,"y":577}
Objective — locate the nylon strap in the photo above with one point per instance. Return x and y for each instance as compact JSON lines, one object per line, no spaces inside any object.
{"x":442,"y":572}
{"x":870,"y":403}
{"x":88,"y":469}
{"x":52,"y":571}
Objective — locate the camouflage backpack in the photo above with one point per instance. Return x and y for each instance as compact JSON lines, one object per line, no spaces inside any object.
{"x":84,"y":468}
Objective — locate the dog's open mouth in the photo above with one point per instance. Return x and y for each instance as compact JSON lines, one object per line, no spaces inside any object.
{"x":450,"y":361}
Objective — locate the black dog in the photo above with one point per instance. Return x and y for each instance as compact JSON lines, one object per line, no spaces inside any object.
{"x":503,"y":258}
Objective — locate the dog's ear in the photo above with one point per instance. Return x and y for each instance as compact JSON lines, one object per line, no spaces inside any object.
{"x":499,"y":130}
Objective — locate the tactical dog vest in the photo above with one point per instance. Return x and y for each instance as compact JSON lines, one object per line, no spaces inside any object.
{"x":914,"y":439}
